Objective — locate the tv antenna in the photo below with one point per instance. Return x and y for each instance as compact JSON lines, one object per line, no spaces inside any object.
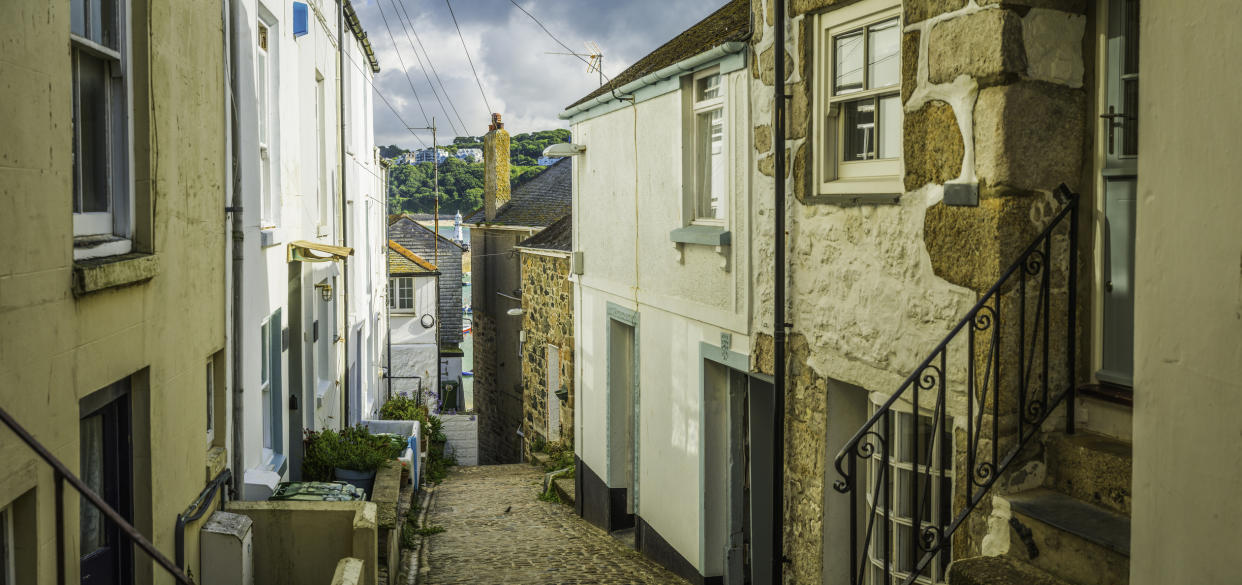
{"x":594,"y":58}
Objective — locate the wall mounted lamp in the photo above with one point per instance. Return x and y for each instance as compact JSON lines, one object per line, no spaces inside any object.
{"x":325,"y":291}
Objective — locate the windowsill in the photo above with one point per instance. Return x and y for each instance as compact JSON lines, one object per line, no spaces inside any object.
{"x":98,"y":274}
{"x":705,"y":235}
{"x":274,"y":462}
{"x":269,"y":236}
{"x":321,"y":390}
{"x":100,"y":246}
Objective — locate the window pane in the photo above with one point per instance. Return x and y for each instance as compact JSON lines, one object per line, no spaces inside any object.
{"x":883,"y":54}
{"x":211,"y":391}
{"x":265,"y":357}
{"x":91,"y":433}
{"x":710,"y":166}
{"x":108,"y":19}
{"x":1129,"y":124}
{"x":859,"y":139}
{"x":708,"y":88}
{"x":92,"y":121}
{"x":77,"y":17}
{"x":1131,"y":57}
{"x":890,"y":127}
{"x":848,"y":63}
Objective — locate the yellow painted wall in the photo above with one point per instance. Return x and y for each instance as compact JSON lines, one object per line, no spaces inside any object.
{"x":1187,"y":516}
{"x":303,"y":542}
{"x":55,"y":348}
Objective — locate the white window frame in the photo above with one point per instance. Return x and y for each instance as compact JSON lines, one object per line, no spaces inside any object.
{"x":115,"y":225}
{"x":321,"y":154}
{"x":265,"y":88}
{"x":832,"y":175}
{"x":694,"y":168}
{"x":211,"y":400}
{"x":265,"y":388}
{"x":901,"y":462}
{"x":394,"y":294}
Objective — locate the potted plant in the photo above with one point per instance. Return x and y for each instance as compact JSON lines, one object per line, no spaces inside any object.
{"x":352,"y":455}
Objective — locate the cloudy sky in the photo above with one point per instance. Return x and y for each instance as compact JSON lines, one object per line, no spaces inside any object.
{"x":521,"y":81}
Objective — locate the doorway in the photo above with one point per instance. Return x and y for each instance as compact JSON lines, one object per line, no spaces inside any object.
{"x":1118,"y":136}
{"x":623,"y":418}
{"x":106,"y":466}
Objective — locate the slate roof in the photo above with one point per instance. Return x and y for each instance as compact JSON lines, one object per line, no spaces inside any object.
{"x":557,"y":237}
{"x":730,"y":23}
{"x":537,"y":203}
{"x":403,"y":261}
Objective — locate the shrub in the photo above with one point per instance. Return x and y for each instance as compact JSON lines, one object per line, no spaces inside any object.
{"x":403,"y":408}
{"x":352,"y":448}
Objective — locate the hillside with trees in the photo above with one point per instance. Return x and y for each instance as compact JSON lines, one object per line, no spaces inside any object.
{"x":410,"y":187}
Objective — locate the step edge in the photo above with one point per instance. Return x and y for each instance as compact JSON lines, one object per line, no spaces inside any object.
{"x":1023,"y":503}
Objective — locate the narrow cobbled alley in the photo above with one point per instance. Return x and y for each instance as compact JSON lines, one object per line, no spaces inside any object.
{"x":497,"y":531}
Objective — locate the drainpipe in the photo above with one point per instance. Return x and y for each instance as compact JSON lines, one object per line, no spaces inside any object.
{"x":344,"y":233}
{"x":238,"y":239}
{"x":778,"y":303}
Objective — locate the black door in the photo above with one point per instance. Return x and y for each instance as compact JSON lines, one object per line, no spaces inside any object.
{"x":106,"y":463}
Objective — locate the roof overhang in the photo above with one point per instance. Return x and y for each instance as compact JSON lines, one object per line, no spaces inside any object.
{"x":304,"y":251}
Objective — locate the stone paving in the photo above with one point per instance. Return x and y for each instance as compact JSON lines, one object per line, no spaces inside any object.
{"x":497,"y":531}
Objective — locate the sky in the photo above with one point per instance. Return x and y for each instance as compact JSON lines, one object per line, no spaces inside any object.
{"x":520,"y":80}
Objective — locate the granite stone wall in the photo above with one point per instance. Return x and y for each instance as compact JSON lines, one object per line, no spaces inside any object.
{"x":994,"y":105}
{"x":548,"y":319}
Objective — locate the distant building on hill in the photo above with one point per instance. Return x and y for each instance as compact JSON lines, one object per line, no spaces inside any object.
{"x":470,"y":154}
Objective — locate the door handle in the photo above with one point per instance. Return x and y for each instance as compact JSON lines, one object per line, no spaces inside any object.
{"x":1113,"y":125}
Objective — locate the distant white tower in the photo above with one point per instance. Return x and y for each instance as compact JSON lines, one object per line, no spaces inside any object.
{"x":457,"y":228}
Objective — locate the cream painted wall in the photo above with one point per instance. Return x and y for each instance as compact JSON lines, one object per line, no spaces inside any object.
{"x":1188,"y":299}
{"x":57,"y":349}
{"x":684,"y":294}
{"x":414,"y":348}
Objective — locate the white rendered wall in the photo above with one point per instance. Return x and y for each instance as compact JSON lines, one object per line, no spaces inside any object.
{"x":684,"y":294}
{"x":1188,"y":298}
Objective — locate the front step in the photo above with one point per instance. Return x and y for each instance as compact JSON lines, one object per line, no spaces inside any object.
{"x":1090,"y":467}
{"x":998,"y":571}
{"x":1069,"y":538}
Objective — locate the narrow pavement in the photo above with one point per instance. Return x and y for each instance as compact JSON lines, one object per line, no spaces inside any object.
{"x":497,"y":531}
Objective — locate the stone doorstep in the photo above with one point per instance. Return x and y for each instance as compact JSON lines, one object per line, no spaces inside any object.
{"x":540,"y":459}
{"x":1090,"y":467}
{"x":564,"y":487}
{"x":998,"y":571}
{"x":1075,"y":540}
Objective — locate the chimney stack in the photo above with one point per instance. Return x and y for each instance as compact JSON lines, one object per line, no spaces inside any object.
{"x":495,"y":168}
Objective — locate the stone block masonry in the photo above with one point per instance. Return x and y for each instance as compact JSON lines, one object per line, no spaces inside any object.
{"x":547,"y":298}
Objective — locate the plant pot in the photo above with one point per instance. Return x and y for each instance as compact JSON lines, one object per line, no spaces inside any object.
{"x":362,"y":480}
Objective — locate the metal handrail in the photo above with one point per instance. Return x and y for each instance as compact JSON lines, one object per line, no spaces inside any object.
{"x":62,"y":475}
{"x":932,"y":523}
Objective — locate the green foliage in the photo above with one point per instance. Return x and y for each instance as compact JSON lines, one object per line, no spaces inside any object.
{"x":561,"y":456}
{"x":403,"y":408}
{"x":411,"y":187}
{"x":429,"y":530}
{"x":352,"y":448}
{"x":550,"y":496}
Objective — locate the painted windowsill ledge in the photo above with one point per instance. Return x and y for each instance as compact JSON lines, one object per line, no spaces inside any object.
{"x":107,"y":272}
{"x":701,"y":234}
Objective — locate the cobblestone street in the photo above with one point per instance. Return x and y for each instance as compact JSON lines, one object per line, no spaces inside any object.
{"x":533,"y":543}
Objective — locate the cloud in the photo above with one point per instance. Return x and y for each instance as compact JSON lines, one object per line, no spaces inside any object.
{"x":520,"y":80}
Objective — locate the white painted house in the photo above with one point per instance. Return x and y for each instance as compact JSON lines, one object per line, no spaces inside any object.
{"x":310,"y":310}
{"x":413,"y":305}
{"x":662,"y":259}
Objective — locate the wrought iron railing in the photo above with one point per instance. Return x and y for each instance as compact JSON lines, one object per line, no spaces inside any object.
{"x":62,"y":475}
{"x":1002,"y":414}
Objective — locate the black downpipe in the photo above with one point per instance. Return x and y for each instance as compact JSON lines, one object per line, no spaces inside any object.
{"x":199,"y":508}
{"x":778,"y":305}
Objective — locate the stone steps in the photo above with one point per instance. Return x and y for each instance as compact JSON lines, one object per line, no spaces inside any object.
{"x":1092,"y":468}
{"x":998,"y":571}
{"x":564,"y":487}
{"x":1069,"y":538}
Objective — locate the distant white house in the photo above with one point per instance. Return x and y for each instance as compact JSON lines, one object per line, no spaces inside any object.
{"x":545,"y":161}
{"x":470,"y":154}
{"x":413,"y":319}
{"x":426,"y":155}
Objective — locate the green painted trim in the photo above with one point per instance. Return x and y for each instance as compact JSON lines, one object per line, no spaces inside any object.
{"x":628,"y":317}
{"x":734,"y":361}
{"x":701,"y":234}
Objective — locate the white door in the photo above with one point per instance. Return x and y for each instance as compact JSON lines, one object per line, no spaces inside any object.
{"x":554,"y":384}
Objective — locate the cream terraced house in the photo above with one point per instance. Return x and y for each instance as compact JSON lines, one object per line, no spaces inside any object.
{"x":663,"y":256}
{"x":113,"y":291}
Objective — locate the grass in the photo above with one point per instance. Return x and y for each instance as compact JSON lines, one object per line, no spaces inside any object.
{"x":429,"y":530}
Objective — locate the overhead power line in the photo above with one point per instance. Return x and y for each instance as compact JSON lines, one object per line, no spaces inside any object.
{"x":432,"y":65}
{"x":397,"y":9}
{"x":397,"y":50}
{"x":468,"y":59}
{"x":558,"y":41}
{"x":384,"y":99}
